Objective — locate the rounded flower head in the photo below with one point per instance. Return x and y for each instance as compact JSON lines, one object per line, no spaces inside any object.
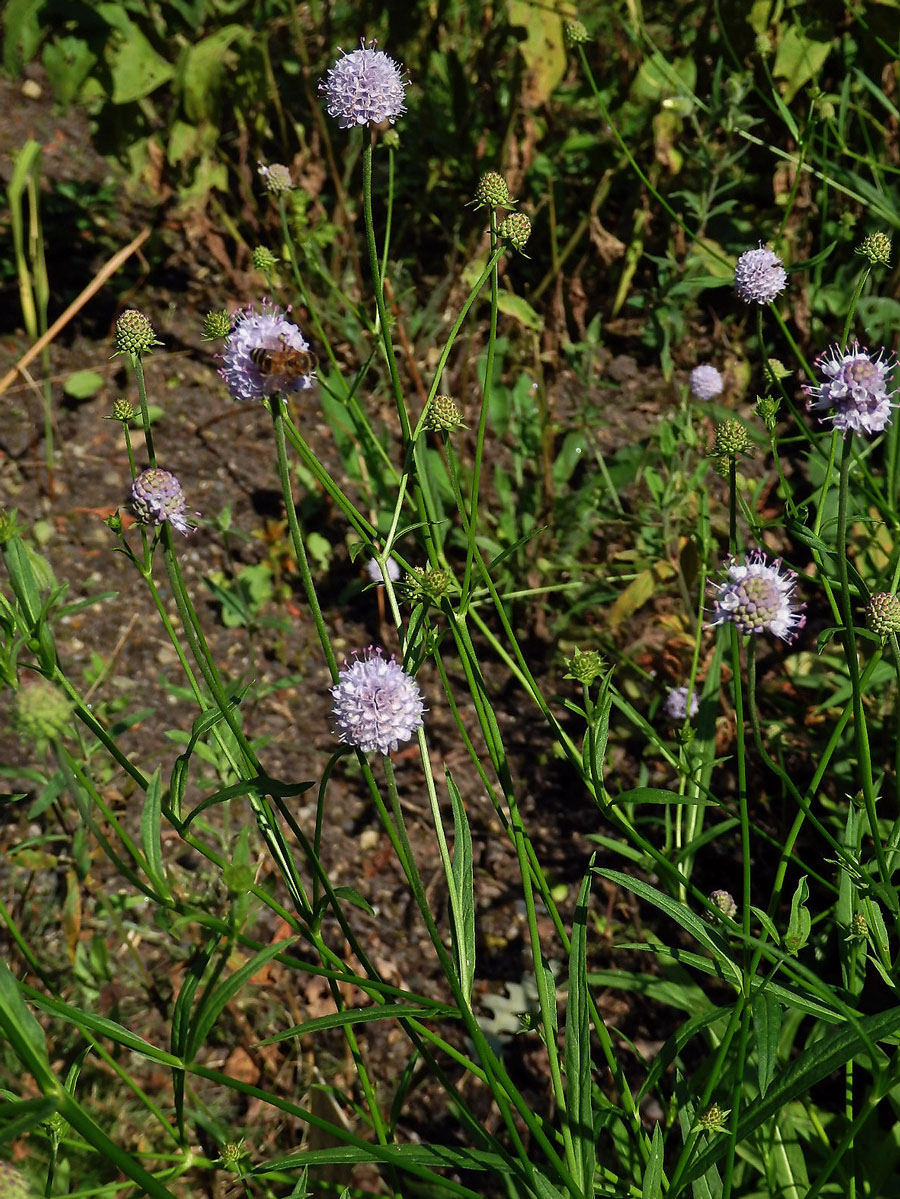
{"x":376,"y":704}
{"x":492,"y":190}
{"x":876,"y":248}
{"x":156,"y":496}
{"x":724,"y":901}
{"x":134,"y":334}
{"x":443,"y":415}
{"x":676,"y":704}
{"x":516,"y":229}
{"x":883,"y":614}
{"x":276,"y":178}
{"x":373,"y":570}
{"x":759,"y":276}
{"x":364,"y":87}
{"x":265,"y":354}
{"x":12,"y":1184}
{"x":855,"y":389}
{"x":41,"y":713}
{"x":705,"y":382}
{"x":757,"y":598}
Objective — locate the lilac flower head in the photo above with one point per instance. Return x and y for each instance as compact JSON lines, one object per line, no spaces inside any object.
{"x":364,"y":87}
{"x":855,"y":388}
{"x":376,"y":704}
{"x":705,"y":382}
{"x":373,"y":570}
{"x":265,"y":354}
{"x":759,"y":276}
{"x":758,"y":598}
{"x":676,"y":704}
{"x":156,"y":496}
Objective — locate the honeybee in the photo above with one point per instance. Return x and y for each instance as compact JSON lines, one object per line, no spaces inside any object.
{"x":285,"y":362}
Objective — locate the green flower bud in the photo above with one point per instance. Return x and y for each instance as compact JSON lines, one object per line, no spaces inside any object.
{"x":231,"y":1155}
{"x":883,"y":614}
{"x":732,"y":439}
{"x":443,"y":415}
{"x":263,"y":259}
{"x":575,"y":33}
{"x":114,"y":522}
{"x":516,"y":230}
{"x":860,"y":925}
{"x":585,"y":667}
{"x":767,"y":410}
{"x":41,"y":712}
{"x":277,"y":177}
{"x":493,"y":191}
{"x":123,"y":411}
{"x":714,"y":1118}
{"x":876,"y":248}
{"x":775,"y":370}
{"x":134,"y":334}
{"x":391,"y":137}
{"x":216,"y":325}
{"x":724,"y":901}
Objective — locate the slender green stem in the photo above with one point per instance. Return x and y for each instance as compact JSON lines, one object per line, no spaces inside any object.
{"x":284,"y":476}
{"x":863,"y":753}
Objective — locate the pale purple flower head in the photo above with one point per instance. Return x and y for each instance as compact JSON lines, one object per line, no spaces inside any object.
{"x":676,"y":704}
{"x":373,"y":570}
{"x":758,"y":598}
{"x":376,"y":704}
{"x":364,"y":87}
{"x":855,"y":389}
{"x":156,"y":496}
{"x":261,"y":355}
{"x":759,"y":276}
{"x":705,"y":382}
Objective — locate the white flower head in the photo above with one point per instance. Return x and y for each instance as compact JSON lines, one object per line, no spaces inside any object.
{"x":855,"y":394}
{"x":757,"y":597}
{"x":364,"y":87}
{"x":373,"y":570}
{"x":759,"y":276}
{"x":156,"y":496}
{"x":375,"y":703}
{"x":705,"y":382}
{"x":265,"y":354}
{"x":676,"y":704}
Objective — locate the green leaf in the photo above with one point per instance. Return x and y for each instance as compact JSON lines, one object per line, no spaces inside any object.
{"x":577,"y":1047}
{"x":658,"y":795}
{"x":798,"y":59}
{"x":203,"y":69}
{"x":682,"y":916}
{"x":22,"y":33}
{"x":151,"y":836}
{"x":766,"y":1014}
{"x":542,"y":50}
{"x":353,"y":1016}
{"x":17,"y":1119}
{"x":217,"y":997}
{"x":800,"y":922}
{"x":135,"y":67}
{"x":520,"y":310}
{"x":462,"y":892}
{"x":813,"y":1065}
{"x":18,"y":1025}
{"x":786,"y":1156}
{"x":651,"y":1188}
{"x":83,"y":384}
{"x":353,"y":896}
